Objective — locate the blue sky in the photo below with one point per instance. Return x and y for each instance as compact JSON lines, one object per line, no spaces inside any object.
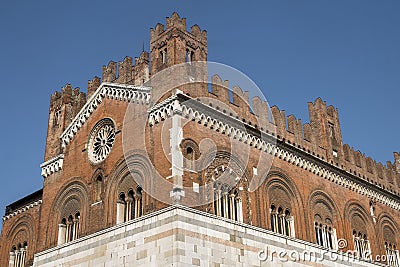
{"x":346,"y":52}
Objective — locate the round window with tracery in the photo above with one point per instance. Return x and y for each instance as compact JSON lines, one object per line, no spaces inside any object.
{"x":101,"y":140}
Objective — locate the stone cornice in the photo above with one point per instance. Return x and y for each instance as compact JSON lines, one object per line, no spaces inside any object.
{"x":122,"y":92}
{"x":21,"y":210}
{"x":218,"y":121}
{"x":52,"y":166}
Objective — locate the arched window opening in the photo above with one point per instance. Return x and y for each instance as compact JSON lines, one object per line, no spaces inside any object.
{"x":138,"y":203}
{"x":18,"y":255}
{"x":57,"y":117}
{"x":68,"y":229}
{"x":227,"y":203}
{"x":190,"y":158}
{"x":99,"y":187}
{"x":189,"y":55}
{"x":164,"y":56}
{"x":325,"y":234}
{"x":361,"y":245}
{"x":129,"y":206}
{"x":282,"y":222}
{"x":393,"y":258}
{"x":189,"y":153}
{"x":273,"y":220}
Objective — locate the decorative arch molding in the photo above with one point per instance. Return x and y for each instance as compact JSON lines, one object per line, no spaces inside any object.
{"x":356,"y":214}
{"x":277,"y":178}
{"x":323,"y":212}
{"x":72,"y":198}
{"x":20,"y":236}
{"x":134,"y":163}
{"x":97,"y":180}
{"x":319,"y":197}
{"x":22,"y":230}
{"x":281,"y":192}
{"x":389,"y":230}
{"x":361,"y":235}
{"x":225,"y":165}
{"x":98,"y":172}
{"x":190,"y":143}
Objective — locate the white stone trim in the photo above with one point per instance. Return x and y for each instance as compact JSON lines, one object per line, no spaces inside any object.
{"x":21,"y":210}
{"x":122,"y":92}
{"x":52,"y":166}
{"x":172,"y":106}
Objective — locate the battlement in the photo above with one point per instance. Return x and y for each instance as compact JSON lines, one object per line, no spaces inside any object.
{"x":66,"y":96}
{"x":126,"y":73}
{"x":176,"y":22}
{"x":64,"y":106}
{"x":93,"y":85}
{"x":174,"y":44}
{"x":321,"y":137}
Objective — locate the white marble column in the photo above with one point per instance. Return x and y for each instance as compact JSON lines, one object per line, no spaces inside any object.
{"x":292,"y":233}
{"x":334,"y":239}
{"x":226,"y":203}
{"x":22,"y":260}
{"x":219,"y":206}
{"x":240,"y":210}
{"x":11,"y":262}
{"x":128,"y":210}
{"x":232,"y":207}
{"x":120,"y":211}
{"x":62,"y":228}
{"x":138,"y":205}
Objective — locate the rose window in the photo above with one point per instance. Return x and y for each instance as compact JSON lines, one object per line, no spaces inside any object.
{"x":101,"y":140}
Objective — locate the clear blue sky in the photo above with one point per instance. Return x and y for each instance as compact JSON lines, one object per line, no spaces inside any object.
{"x":346,"y":52}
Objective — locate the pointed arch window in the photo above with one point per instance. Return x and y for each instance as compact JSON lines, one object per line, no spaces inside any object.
{"x":99,"y":187}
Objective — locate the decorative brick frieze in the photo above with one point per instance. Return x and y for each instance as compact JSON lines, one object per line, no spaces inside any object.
{"x":21,"y":210}
{"x":52,"y":166}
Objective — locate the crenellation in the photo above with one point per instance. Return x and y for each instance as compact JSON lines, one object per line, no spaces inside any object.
{"x":379,"y":169}
{"x":93,"y":85}
{"x":240,"y":98}
{"x":280,"y":121}
{"x":200,"y":35}
{"x":175,"y":21}
{"x":397,"y":161}
{"x":346,"y":154}
{"x":260,"y":109}
{"x":220,"y":88}
{"x":295,"y":127}
{"x":369,"y":164}
{"x":125,"y":70}
{"x":175,"y":45}
{"x":141,"y":69}
{"x":110,"y":72}
{"x":159,"y":29}
{"x":307,"y":132}
{"x":64,"y":106}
